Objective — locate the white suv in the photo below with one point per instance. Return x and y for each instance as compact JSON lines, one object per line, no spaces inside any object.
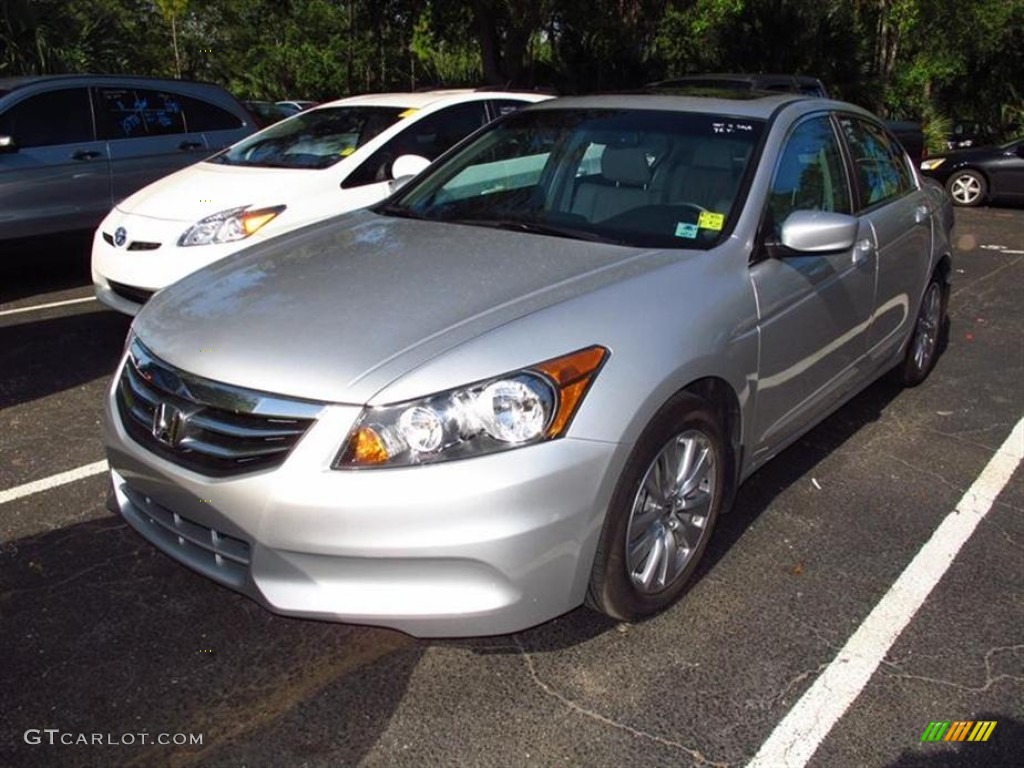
{"x":335,"y":158}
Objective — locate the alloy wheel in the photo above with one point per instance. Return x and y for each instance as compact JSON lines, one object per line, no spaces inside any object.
{"x":670,"y":513}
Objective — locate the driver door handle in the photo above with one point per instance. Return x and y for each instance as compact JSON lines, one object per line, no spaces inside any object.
{"x":185,"y":146}
{"x":85,"y":154}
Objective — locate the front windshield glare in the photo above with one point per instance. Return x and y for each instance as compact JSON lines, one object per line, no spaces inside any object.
{"x":315,"y":139}
{"x":635,"y":177}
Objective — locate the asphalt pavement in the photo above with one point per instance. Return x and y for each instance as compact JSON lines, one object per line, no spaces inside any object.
{"x":109,"y":645}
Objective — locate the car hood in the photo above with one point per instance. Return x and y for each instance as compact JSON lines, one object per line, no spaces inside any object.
{"x":338,"y":310}
{"x":207,"y":188}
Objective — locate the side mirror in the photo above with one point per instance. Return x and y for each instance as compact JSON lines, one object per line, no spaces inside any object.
{"x":408,"y":165}
{"x":809,"y":232}
{"x":8,"y":144}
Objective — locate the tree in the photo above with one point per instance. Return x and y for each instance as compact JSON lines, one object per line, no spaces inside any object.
{"x":173,"y":10}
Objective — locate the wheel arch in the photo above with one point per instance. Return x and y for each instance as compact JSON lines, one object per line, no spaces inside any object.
{"x":721,"y":396}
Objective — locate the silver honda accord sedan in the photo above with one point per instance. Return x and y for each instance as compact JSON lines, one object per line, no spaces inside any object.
{"x":535,"y":376}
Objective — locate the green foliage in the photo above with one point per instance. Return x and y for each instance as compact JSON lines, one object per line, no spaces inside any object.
{"x":903,"y":58}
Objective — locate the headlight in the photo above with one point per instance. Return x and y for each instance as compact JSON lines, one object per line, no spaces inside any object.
{"x":509,"y":411}
{"x":228,"y":226}
{"x":932,"y":163}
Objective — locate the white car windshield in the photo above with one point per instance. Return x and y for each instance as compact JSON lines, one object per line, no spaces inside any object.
{"x":318,"y":138}
{"x":635,"y":177}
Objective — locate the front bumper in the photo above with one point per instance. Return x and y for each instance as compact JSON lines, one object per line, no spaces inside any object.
{"x":122,"y":277}
{"x":482,"y":546}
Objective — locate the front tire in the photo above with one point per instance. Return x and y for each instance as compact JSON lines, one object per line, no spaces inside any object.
{"x":662,"y":513}
{"x":967,"y":188}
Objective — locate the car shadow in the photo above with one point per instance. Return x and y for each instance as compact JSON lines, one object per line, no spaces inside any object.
{"x":42,"y":357}
{"x":44,"y":265}
{"x":104,"y":634}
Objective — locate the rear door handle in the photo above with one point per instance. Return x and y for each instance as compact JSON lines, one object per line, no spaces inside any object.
{"x":921,"y":214}
{"x":85,"y":154}
{"x":185,"y":146}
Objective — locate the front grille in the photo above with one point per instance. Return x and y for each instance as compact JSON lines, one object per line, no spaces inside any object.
{"x":211,"y":428}
{"x":134,"y":245}
{"x":138,"y":295}
{"x":219,"y":556}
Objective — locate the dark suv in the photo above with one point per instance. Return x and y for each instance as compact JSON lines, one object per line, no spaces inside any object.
{"x":73,"y":145}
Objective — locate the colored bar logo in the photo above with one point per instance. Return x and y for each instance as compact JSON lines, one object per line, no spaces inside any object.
{"x":958,"y":730}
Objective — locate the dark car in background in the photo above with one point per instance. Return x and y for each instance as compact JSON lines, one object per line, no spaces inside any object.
{"x":71,"y":146}
{"x":979,"y":175}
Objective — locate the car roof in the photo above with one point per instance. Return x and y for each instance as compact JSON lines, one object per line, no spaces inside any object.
{"x":753,"y":104}
{"x":421,"y":99}
{"x":13,"y":83}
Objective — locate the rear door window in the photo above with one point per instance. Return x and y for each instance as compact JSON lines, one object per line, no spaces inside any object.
{"x":880,"y":168}
{"x":48,"y":119}
{"x":203,"y":116}
{"x":130,"y":113}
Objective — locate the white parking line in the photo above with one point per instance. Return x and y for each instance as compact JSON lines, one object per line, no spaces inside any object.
{"x":20,"y":491}
{"x":795,"y":740}
{"x":46,"y":306}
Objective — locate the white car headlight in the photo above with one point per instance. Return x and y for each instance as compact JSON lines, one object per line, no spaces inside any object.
{"x":932,"y":163}
{"x":509,"y":411}
{"x":228,"y":226}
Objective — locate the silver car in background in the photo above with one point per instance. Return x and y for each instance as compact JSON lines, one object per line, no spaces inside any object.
{"x":536,"y":375}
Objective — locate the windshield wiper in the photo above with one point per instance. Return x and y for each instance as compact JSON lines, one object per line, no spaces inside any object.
{"x":539,"y":228}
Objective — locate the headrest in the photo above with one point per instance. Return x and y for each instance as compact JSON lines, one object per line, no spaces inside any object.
{"x":714,"y":154}
{"x":626,"y":166}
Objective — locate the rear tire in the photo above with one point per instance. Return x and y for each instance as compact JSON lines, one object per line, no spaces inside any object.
{"x":925,"y":341}
{"x":662,"y":513}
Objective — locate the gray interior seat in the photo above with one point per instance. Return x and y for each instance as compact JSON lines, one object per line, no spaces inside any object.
{"x":710,"y":179}
{"x":622,"y":186}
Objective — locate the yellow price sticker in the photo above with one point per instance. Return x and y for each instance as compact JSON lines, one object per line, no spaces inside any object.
{"x":709,"y":220}
{"x":347,"y":151}
{"x":408,"y":113}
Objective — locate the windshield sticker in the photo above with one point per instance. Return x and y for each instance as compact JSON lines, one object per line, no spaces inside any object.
{"x":709,"y":220}
{"x":347,"y":151}
{"x":408,"y":113}
{"x":732,"y":127}
{"x":688,"y":231}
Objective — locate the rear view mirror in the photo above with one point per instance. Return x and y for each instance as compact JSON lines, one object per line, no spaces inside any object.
{"x":8,"y":144}
{"x":408,"y":165}
{"x":806,"y":232}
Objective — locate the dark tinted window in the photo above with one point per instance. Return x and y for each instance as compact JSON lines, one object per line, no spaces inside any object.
{"x":428,"y":138}
{"x":202,"y":116}
{"x":810,"y":175}
{"x":882,"y":172}
{"x":54,"y":117}
{"x":128,"y":113}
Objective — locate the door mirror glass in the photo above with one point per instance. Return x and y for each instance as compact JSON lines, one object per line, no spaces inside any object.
{"x":408,"y":165}
{"x":8,"y":144}
{"x":808,"y":232}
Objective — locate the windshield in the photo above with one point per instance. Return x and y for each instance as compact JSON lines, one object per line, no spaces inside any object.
{"x":315,"y":139}
{"x":635,"y":177}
